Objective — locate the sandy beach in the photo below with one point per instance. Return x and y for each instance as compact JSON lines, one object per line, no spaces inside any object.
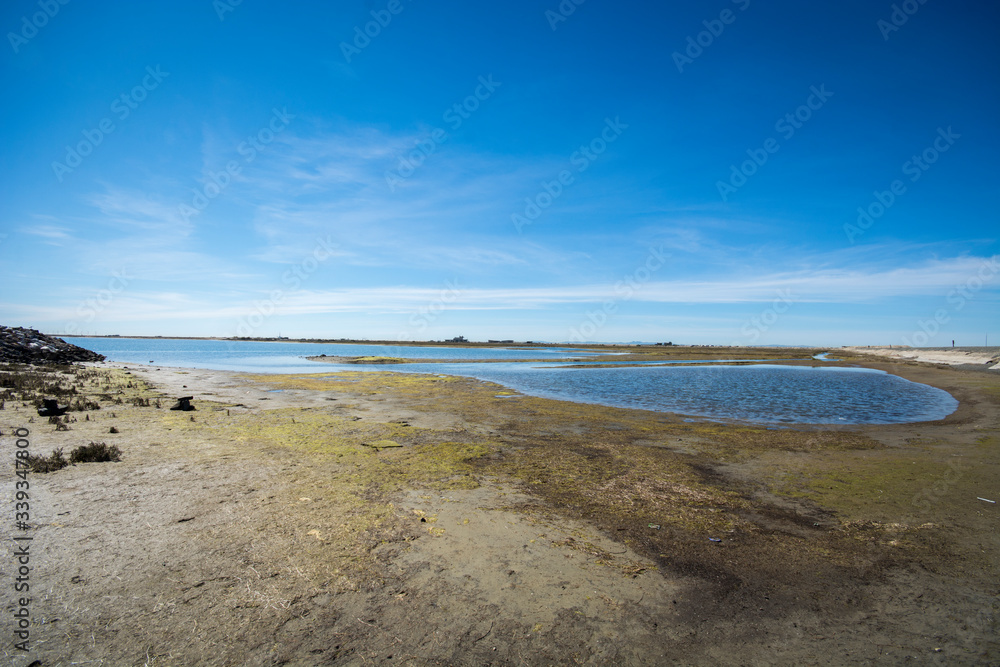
{"x":986,"y":357}
{"x":377,"y":518}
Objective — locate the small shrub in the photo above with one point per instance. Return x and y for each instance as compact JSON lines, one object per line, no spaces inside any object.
{"x":95,"y":452}
{"x":55,"y":461}
{"x":82,"y":405}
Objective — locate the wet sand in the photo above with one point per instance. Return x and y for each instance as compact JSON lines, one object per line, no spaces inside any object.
{"x":362,"y":518}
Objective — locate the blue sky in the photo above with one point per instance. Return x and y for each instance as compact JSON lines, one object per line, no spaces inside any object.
{"x":688,"y":172}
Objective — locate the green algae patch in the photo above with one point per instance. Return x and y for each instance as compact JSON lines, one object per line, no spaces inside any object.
{"x":360,"y":382}
{"x":898,"y":505}
{"x":313,"y":432}
{"x":342,"y":477}
{"x":379,"y":445}
{"x":731,"y":443}
{"x":444,"y":465}
{"x":918,"y":483}
{"x":650,"y":480}
{"x":624,"y":485}
{"x":854,"y":487}
{"x":387,"y":456}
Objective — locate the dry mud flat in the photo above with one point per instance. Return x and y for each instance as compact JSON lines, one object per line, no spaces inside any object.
{"x":376,"y":518}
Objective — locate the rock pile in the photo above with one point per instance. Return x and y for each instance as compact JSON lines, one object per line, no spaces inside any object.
{"x":27,"y":346}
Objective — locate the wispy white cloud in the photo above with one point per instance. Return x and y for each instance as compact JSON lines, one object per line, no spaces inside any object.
{"x":53,"y":233}
{"x":132,"y":210}
{"x":932,"y":279}
{"x":451,"y":217}
{"x":832,"y":286}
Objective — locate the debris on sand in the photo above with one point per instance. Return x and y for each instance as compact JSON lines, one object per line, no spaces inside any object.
{"x":51,"y":408}
{"x":184,"y":403}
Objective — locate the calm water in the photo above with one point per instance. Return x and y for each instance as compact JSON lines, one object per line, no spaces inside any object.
{"x":759,"y":393}
{"x":258,"y":357}
{"x":767,"y":393}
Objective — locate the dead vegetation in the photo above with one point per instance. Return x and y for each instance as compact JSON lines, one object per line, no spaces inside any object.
{"x":95,"y":452}
{"x":54,"y":461}
{"x":79,"y":388}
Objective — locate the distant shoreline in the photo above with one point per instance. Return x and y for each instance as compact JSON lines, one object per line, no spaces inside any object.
{"x":984,"y":357}
{"x":471,"y":344}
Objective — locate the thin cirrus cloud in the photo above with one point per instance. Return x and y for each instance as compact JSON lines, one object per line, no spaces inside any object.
{"x":831,"y":286}
{"x":828,"y":287}
{"x":451,"y":216}
{"x":330,"y":187}
{"x":52,"y":233}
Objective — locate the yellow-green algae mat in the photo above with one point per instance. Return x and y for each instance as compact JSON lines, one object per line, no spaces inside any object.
{"x":613,"y":466}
